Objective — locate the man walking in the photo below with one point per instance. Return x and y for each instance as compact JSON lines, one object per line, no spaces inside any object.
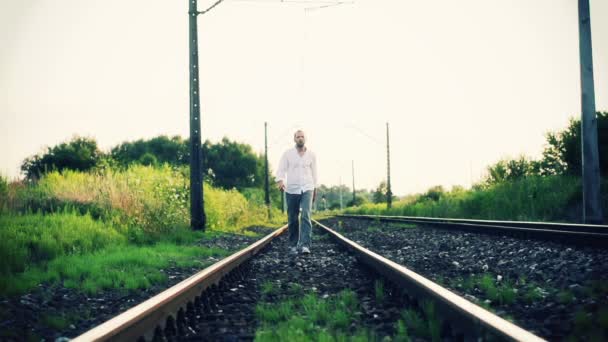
{"x":297,"y":176}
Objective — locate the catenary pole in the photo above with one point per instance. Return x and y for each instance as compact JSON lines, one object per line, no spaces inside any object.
{"x":353,"y":167}
{"x":197,"y":206}
{"x":341,"y":205}
{"x":592,"y":210}
{"x":266,"y":185}
{"x":389,"y":193}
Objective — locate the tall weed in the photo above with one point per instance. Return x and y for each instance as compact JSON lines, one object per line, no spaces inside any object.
{"x":536,"y":198}
{"x":154,"y":200}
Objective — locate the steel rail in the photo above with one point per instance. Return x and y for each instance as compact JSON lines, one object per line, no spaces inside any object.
{"x":142,"y":320}
{"x":467,"y":318}
{"x":586,"y":234}
{"x":593,"y":228}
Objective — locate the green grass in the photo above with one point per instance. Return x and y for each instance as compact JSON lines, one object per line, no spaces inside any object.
{"x":401,"y":334}
{"x":402,"y":226}
{"x":426,"y":325}
{"x":27,"y":240}
{"x":549,"y":198}
{"x":268,"y":288}
{"x":379,"y":291}
{"x":310,"y":318}
{"x":50,"y":228}
{"x":533,"y":294}
{"x":57,"y":322}
{"x":154,"y":199}
{"x":374,"y":229}
{"x":503,"y":292}
{"x":126,"y":268}
{"x":377,"y":227}
{"x":296,"y":289}
{"x":565,"y":297}
{"x":591,"y":324}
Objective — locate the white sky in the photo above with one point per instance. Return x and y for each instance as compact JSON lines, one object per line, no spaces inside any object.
{"x":462,"y":83}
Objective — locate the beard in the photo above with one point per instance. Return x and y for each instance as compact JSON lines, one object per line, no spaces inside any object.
{"x":300,"y":144}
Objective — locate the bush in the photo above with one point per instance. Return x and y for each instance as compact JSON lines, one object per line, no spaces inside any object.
{"x":535,"y":198}
{"x":150,"y":200}
{"x":3,"y":194}
{"x":79,"y":154}
{"x":37,"y":238}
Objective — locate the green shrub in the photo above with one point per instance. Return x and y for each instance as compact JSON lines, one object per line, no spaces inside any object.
{"x":3,"y":193}
{"x":153,"y":199}
{"x":36,"y":238}
{"x":534,"y":198}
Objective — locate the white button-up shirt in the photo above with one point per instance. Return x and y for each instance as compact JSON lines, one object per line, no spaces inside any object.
{"x":298,"y":172}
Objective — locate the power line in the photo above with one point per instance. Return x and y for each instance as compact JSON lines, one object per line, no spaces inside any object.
{"x":210,"y":7}
{"x":377,"y":141}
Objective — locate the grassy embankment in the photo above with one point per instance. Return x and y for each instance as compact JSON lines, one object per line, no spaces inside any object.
{"x":109,"y":230}
{"x":535,"y":198}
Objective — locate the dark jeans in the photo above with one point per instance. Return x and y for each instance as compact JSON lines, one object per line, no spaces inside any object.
{"x":299,"y":237}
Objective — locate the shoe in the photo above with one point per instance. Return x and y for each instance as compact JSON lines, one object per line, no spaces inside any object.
{"x":305,"y":250}
{"x":293,"y":250}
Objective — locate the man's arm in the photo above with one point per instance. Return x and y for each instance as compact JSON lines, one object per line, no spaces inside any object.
{"x":314,"y":176}
{"x":282,"y":172}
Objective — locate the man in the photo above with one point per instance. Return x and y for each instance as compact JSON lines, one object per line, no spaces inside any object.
{"x":297,"y":176}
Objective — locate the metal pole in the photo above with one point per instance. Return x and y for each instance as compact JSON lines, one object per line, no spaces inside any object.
{"x":592,"y":210}
{"x":197,"y":206}
{"x":266,"y":185}
{"x":353,"y":164}
{"x":340,"y":189}
{"x":389,"y":193}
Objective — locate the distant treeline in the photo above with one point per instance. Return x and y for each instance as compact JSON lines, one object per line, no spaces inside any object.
{"x":561,"y":156}
{"x":227,"y":164}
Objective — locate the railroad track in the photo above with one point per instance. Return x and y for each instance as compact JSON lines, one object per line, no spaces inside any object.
{"x":163,"y":316}
{"x":581,"y":234}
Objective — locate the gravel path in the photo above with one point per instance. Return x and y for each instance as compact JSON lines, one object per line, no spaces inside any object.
{"x":553,"y":289}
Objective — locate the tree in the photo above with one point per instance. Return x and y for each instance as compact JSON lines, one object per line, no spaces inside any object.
{"x":433,"y":193}
{"x":507,"y":170}
{"x":562,"y":155}
{"x":173,"y":151}
{"x":227,"y":164}
{"x":359,"y":200}
{"x":80,"y":154}
{"x":379,"y":194}
{"x":233,"y":164}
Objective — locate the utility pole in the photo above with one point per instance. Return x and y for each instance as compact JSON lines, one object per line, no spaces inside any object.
{"x":340,"y":190}
{"x":389,"y":193}
{"x":266,"y":185}
{"x":197,"y":205}
{"x":592,"y":209}
{"x":353,"y":163}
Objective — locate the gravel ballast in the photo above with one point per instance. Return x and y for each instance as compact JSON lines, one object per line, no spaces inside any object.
{"x":553,"y":289}
{"x":326,"y":272}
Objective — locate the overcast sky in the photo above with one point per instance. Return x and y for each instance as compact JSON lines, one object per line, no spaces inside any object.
{"x":463,"y":83}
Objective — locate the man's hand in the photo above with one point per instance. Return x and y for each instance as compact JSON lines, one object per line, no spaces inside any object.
{"x":281,"y":185}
